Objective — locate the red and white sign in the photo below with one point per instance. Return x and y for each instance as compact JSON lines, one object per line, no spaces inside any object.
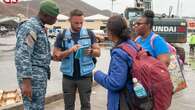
{"x":10,"y":1}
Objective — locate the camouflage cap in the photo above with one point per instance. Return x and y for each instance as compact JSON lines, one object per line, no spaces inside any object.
{"x":49,"y":7}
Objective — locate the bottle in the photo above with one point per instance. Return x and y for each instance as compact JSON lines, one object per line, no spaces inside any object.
{"x":138,"y":88}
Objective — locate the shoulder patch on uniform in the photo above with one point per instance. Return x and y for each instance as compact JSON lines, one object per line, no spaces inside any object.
{"x":31,"y":38}
{"x":34,"y":35}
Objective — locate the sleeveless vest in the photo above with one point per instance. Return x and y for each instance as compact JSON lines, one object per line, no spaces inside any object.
{"x":85,"y":62}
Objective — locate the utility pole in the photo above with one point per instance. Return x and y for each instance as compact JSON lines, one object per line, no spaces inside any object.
{"x":170,"y":10}
{"x":178,"y":8}
{"x":181,"y":8}
{"x":112,"y":6}
{"x":27,"y":9}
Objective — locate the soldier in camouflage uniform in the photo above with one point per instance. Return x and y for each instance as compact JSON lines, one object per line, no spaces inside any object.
{"x":32,"y":56}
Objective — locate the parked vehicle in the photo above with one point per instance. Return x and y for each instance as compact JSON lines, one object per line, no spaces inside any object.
{"x":100,"y":35}
{"x":174,"y":30}
{"x":53,"y":32}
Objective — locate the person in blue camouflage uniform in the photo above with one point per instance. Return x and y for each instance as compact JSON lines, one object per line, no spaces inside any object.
{"x":32,"y":56}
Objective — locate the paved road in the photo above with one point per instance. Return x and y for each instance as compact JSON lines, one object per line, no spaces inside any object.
{"x":184,"y":100}
{"x":98,"y":101}
{"x":8,"y":70}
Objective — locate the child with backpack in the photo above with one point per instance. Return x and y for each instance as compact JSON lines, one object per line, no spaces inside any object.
{"x":152,"y":89}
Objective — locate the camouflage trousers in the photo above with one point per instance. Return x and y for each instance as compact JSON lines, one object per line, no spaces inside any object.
{"x":38,"y":95}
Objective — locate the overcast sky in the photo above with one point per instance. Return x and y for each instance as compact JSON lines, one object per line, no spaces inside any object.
{"x":187,"y":7}
{"x":159,"y":6}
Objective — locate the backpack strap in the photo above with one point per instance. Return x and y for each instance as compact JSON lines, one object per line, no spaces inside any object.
{"x":63,"y":33}
{"x":131,"y":51}
{"x":84,"y":33}
{"x":171,"y":48}
{"x":135,"y":52}
{"x":63,"y":37}
{"x":152,"y":40}
{"x":137,"y":38}
{"x":67,"y":34}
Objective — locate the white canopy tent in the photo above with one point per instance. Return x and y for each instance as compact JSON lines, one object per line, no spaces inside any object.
{"x":62,"y":17}
{"x":97,"y":17}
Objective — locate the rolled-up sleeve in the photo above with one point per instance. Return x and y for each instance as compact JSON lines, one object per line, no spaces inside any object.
{"x":23,"y":53}
{"x":118,"y":70}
